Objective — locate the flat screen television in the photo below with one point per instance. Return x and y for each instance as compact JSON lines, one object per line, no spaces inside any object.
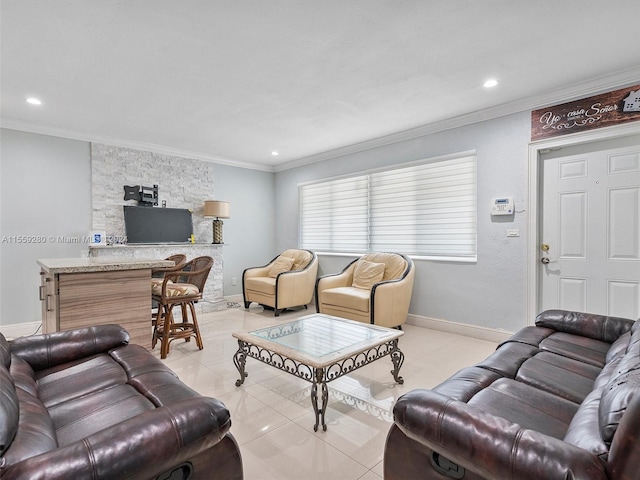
{"x":157,"y":225}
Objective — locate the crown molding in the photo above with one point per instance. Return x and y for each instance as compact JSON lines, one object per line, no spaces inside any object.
{"x":576,"y":91}
{"x":15,"y":124}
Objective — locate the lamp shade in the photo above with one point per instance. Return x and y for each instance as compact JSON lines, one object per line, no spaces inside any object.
{"x":216,"y":208}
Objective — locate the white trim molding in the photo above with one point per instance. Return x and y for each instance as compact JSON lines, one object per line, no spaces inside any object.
{"x":16,"y":330}
{"x":535,"y":199}
{"x":468,"y":330}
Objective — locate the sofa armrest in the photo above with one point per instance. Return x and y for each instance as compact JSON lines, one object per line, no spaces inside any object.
{"x":295,"y":287}
{"x":598,"y":327}
{"x":335,"y":280}
{"x":141,"y":447}
{"x":258,"y":271}
{"x":488,"y":445}
{"x":48,"y":350}
{"x":390,"y":299}
{"x":390,"y":302}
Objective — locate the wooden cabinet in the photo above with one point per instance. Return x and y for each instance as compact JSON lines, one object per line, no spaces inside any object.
{"x":73,"y":299}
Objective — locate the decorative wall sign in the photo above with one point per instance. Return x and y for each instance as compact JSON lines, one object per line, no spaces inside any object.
{"x":604,"y":110}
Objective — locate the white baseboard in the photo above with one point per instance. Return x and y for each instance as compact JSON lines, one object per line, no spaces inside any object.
{"x":16,"y":330}
{"x":474,"y":331}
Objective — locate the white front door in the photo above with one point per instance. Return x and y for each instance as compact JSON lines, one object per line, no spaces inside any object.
{"x":590,"y":237}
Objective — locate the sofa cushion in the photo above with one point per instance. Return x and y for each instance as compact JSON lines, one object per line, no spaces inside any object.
{"x":35,"y":434}
{"x":9,"y":410}
{"x":589,"y":325}
{"x":86,"y":415}
{"x":527,"y":406}
{"x":75,"y":379}
{"x":265,"y":285}
{"x":635,"y":335}
{"x":529,"y":335}
{"x":23,"y":376}
{"x":348,"y":297}
{"x":44,"y":351}
{"x":618,"y":348}
{"x":394,"y":264}
{"x":174,"y":289}
{"x":562,"y":376}
{"x":280,"y":265}
{"x":150,"y":377}
{"x":584,"y":429}
{"x":618,"y":393}
{"x":367,"y":274}
{"x":5,"y":352}
{"x":466,"y":383}
{"x":508,"y":358}
{"x":584,"y":349}
{"x":301,"y":258}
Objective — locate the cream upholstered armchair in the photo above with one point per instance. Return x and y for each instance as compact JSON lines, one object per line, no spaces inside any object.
{"x":375,"y":288}
{"x":286,"y":281}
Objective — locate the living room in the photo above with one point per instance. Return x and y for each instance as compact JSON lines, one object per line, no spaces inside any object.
{"x":49,"y":188}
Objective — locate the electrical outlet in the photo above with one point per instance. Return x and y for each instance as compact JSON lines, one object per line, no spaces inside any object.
{"x":234,"y":281}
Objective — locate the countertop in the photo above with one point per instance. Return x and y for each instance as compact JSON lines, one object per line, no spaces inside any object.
{"x":87,"y":265}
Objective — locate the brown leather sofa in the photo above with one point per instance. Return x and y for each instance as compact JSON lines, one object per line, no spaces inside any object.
{"x":84,"y":404}
{"x":559,"y":400}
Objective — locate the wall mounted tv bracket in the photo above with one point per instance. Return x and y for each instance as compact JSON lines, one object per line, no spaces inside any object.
{"x":146,"y":196}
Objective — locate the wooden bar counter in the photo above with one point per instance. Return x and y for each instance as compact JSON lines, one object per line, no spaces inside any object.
{"x":80,"y":292}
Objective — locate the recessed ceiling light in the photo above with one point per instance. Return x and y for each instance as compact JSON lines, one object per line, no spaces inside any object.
{"x":492,"y":82}
{"x":274,"y":154}
{"x":34,"y":101}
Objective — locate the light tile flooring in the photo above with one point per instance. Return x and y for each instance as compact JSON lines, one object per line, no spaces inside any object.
{"x":272,"y":417}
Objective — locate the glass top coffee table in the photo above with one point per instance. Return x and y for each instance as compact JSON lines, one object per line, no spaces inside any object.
{"x":319,"y":348}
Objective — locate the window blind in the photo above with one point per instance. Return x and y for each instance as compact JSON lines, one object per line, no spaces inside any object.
{"x":428,"y":209}
{"x":335,"y":215}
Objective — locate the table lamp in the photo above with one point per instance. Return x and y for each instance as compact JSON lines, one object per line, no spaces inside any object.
{"x":217,"y":209}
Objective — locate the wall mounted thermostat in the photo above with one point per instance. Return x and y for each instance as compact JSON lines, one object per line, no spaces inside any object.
{"x":502,"y":206}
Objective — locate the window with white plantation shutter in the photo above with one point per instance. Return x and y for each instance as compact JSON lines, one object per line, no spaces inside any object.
{"x":426,"y":209}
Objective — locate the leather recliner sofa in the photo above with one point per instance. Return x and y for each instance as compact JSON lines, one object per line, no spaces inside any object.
{"x":558,"y":400}
{"x":86,"y":404}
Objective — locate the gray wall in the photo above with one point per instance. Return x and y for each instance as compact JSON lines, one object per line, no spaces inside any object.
{"x":45,"y":192}
{"x":249,"y":235}
{"x":264,"y":218}
{"x":46,"y":197}
{"x":490,"y":292}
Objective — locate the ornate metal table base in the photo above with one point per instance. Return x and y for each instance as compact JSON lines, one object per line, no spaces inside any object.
{"x":318,"y":375}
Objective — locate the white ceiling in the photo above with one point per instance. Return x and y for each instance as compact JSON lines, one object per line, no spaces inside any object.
{"x":233,"y":80}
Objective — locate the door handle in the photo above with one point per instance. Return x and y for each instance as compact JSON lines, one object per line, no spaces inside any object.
{"x":545,"y":247}
{"x":48,"y":304}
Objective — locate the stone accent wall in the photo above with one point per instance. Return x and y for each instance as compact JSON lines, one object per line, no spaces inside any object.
{"x":182,"y":183}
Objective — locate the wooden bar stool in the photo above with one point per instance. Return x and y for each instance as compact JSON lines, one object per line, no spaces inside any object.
{"x":182,"y":288}
{"x":157,"y":276}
